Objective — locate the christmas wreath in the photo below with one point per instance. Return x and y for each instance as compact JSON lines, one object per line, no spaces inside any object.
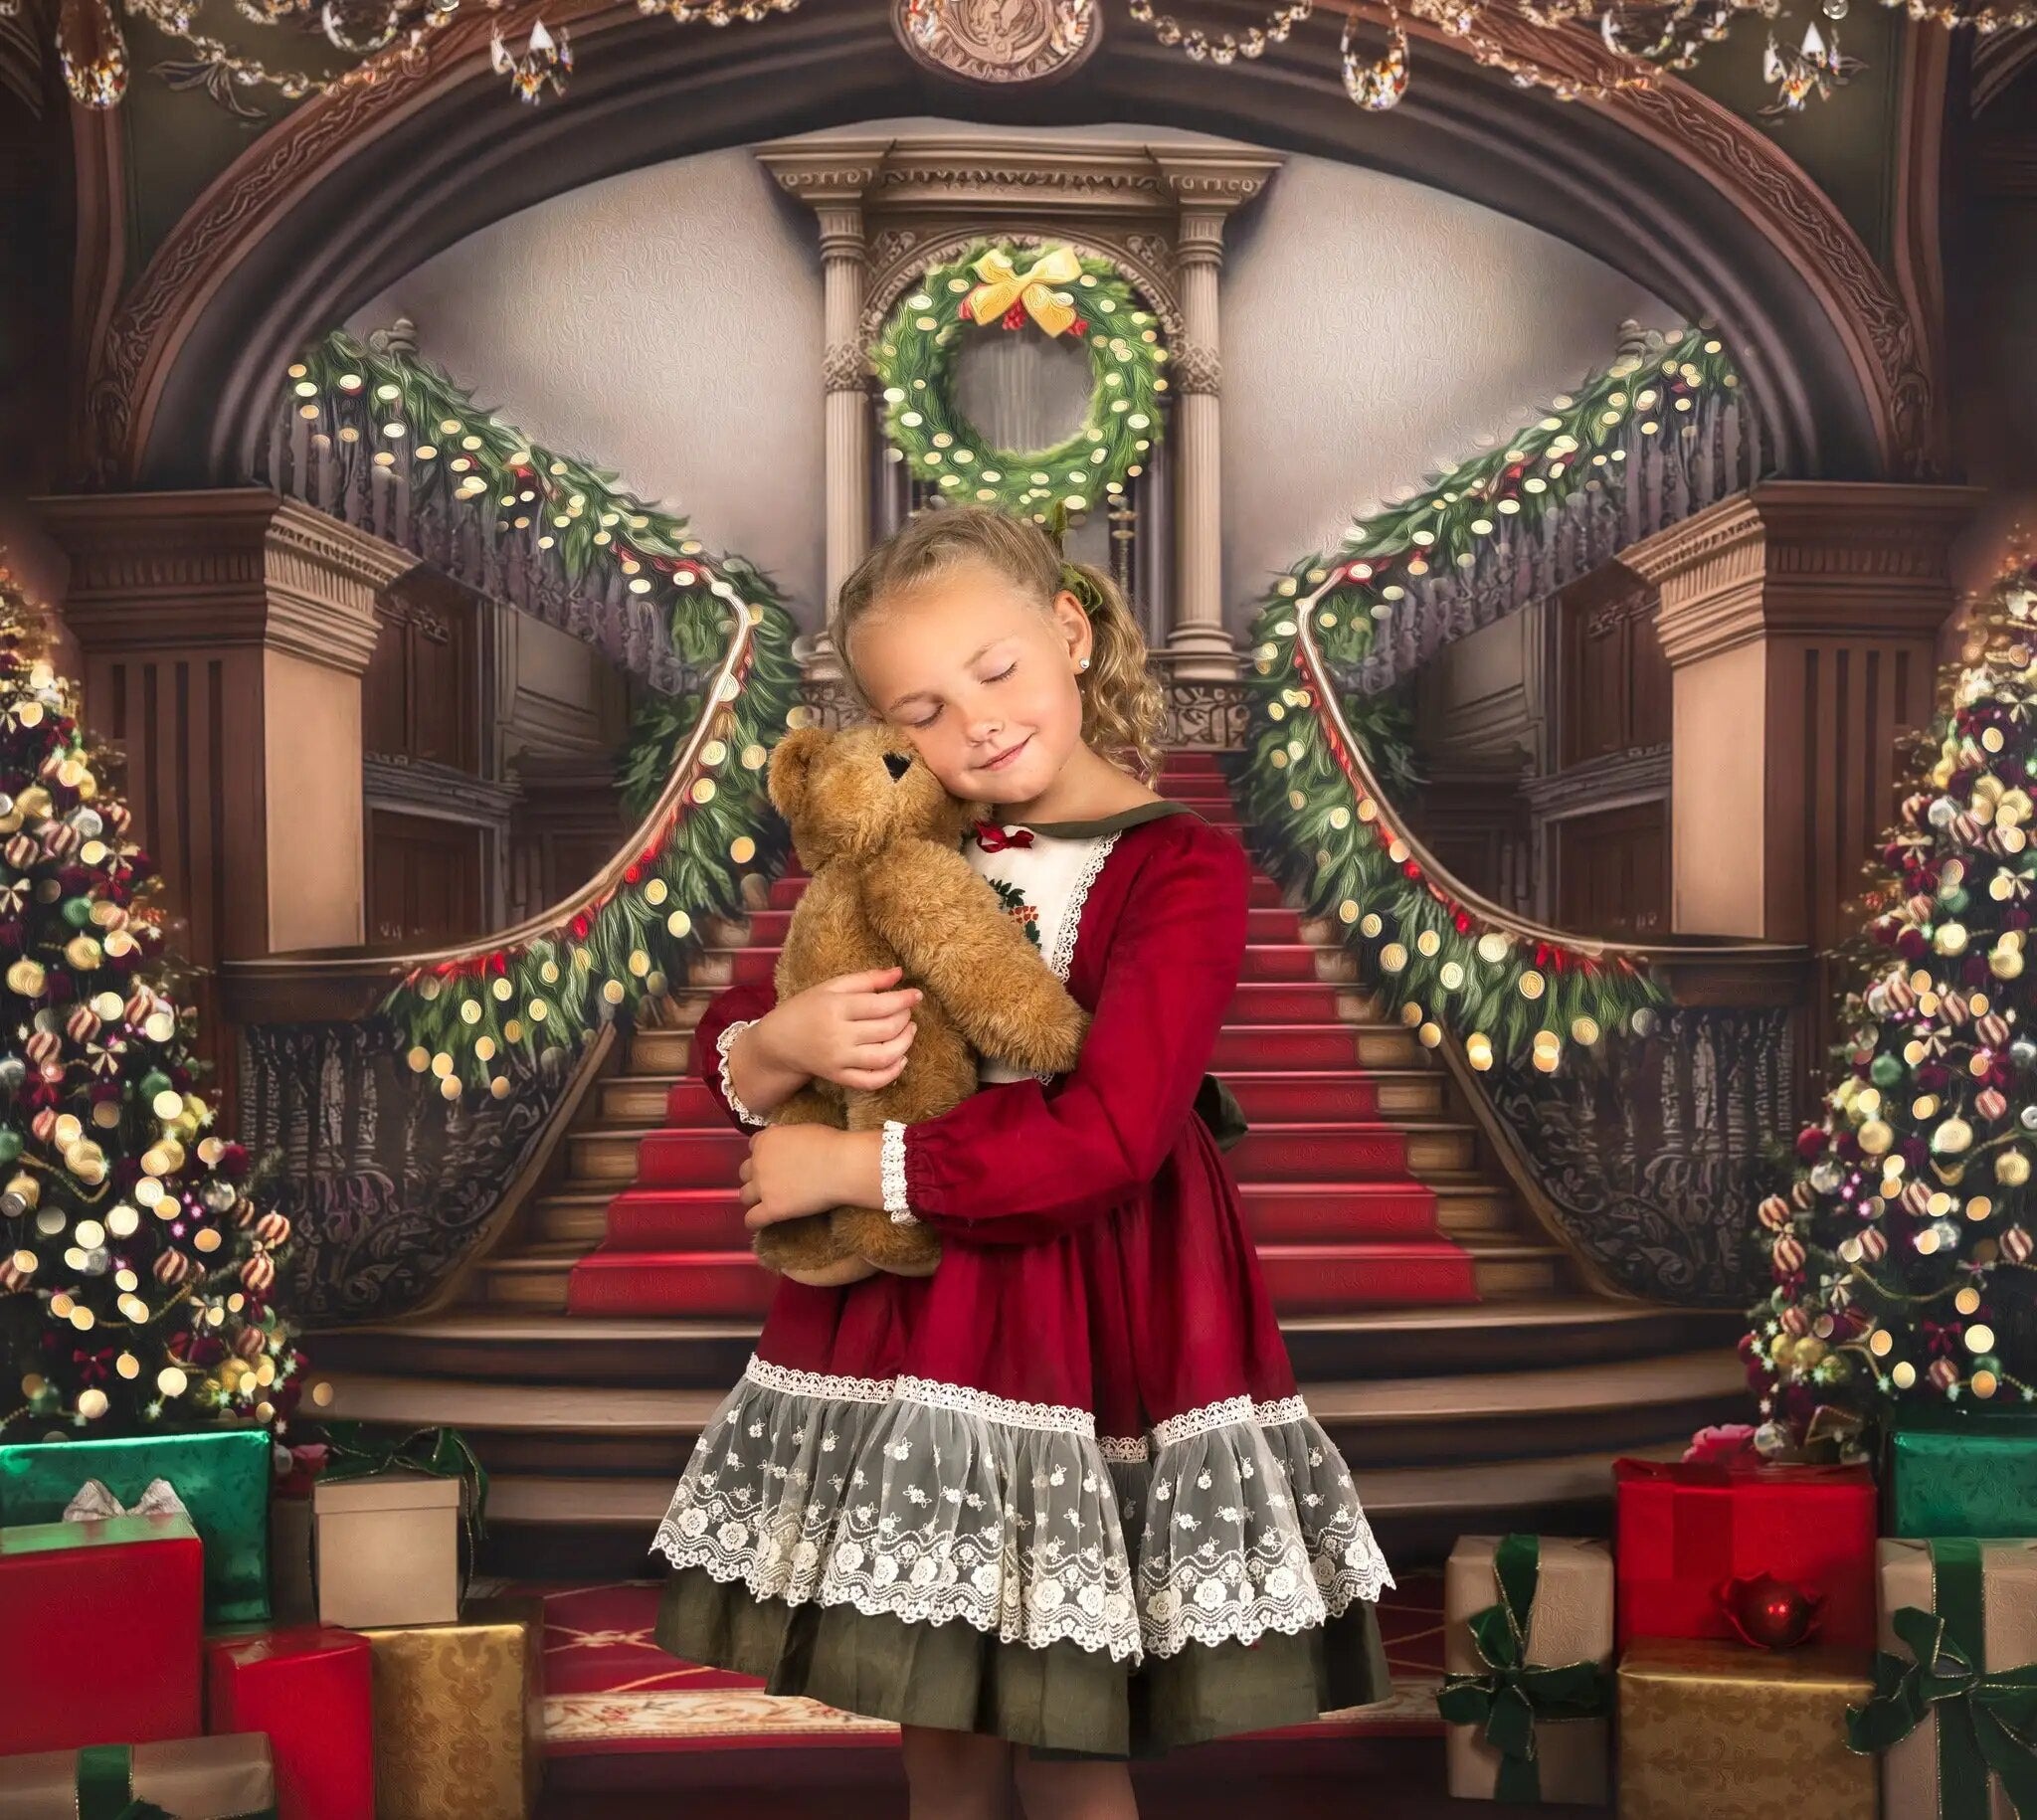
{"x":1065,"y":293}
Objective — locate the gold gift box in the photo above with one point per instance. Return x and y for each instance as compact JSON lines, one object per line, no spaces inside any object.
{"x":197,"y":1778}
{"x":1569,"y":1621}
{"x":459,"y":1715}
{"x":388,"y":1549}
{"x":2008,"y":1618}
{"x":1730,"y":1733}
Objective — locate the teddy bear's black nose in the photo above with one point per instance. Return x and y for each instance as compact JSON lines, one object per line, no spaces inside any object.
{"x":896,"y":765}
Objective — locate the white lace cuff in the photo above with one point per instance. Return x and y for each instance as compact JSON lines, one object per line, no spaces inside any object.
{"x":721,"y":1047}
{"x":891,"y":1163}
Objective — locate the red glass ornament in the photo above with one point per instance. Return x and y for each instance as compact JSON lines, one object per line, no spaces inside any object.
{"x":1768,"y":1612}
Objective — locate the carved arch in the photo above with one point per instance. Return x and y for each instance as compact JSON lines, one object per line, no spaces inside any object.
{"x":1661,"y":184}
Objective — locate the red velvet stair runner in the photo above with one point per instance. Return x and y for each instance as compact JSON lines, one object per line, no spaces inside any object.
{"x":1339,"y":1223}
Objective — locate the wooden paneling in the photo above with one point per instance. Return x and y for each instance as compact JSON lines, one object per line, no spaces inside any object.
{"x":1615,"y":681}
{"x":424,"y":880}
{"x":1612,"y":872}
{"x":422,"y":692}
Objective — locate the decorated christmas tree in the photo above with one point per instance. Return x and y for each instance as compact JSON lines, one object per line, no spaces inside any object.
{"x":1902,"y":1254}
{"x":136,"y":1258}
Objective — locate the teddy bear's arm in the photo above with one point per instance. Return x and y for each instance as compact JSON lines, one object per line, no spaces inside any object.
{"x":951,"y":933}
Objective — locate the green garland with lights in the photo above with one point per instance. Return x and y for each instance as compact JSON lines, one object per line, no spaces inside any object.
{"x":1063,"y":291}
{"x":632,"y":931}
{"x":1313,"y":792}
{"x":1903,"y":1256}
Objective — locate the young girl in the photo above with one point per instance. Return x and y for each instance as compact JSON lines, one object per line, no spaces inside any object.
{"x":1058,"y":1504}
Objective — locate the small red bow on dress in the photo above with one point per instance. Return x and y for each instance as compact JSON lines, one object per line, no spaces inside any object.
{"x":993,"y":838}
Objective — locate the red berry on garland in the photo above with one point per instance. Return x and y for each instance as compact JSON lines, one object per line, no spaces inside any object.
{"x":1014,"y":318}
{"x":1768,"y":1612}
{"x":1079,"y":328}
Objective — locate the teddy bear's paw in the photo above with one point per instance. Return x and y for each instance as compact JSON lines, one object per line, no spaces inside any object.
{"x":833,"y":1276}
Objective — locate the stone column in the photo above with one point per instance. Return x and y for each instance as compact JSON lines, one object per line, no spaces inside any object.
{"x":1800,"y":622}
{"x":1198,"y":645}
{"x":225,"y":634}
{"x":1206,"y":187}
{"x":832,"y":181}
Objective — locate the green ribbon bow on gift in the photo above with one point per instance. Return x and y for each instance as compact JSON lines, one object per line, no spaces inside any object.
{"x":1515,"y":1696}
{"x":441,"y":1452}
{"x":1987,"y":1718}
{"x":105,"y":1788}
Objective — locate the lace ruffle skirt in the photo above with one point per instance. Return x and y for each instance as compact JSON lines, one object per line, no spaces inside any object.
{"x":933,"y":1554}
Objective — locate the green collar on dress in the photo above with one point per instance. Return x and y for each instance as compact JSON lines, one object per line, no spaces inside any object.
{"x":1103,"y":825}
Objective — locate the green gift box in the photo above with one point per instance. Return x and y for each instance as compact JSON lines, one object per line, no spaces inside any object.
{"x":1975,"y":1474}
{"x":220,"y":1478}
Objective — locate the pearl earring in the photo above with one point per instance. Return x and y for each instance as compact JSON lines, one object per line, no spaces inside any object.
{"x":1084,"y":665}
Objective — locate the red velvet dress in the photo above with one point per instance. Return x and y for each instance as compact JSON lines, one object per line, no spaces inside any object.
{"x":1083,"y":1426}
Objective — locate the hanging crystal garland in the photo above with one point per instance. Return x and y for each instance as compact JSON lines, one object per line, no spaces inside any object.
{"x":388,"y":36}
{"x":1377,"y":85}
{"x":92,"y":53}
{"x":544,"y":61}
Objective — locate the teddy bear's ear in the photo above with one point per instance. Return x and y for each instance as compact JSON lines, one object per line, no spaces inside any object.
{"x":792,"y":760}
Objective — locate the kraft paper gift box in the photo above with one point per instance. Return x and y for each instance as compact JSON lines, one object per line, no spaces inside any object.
{"x":311,"y":1691}
{"x":190,"y":1778}
{"x":1568,"y":1589}
{"x":99,"y":1631}
{"x":388,"y":1549}
{"x":1962,"y":1476}
{"x":1984,"y":1595}
{"x":220,"y":1478}
{"x":1680,"y":1530}
{"x":1713,"y":1731}
{"x":459,"y":1715}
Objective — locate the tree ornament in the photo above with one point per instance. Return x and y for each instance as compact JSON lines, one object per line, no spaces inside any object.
{"x":1991,"y":1102}
{"x":1953,"y":1138}
{"x":2013,"y":1168}
{"x":1787,"y":1255}
{"x":2015,"y":1245}
{"x":1773,"y":1214}
{"x":1770,"y":1614}
{"x":1943,"y":1374}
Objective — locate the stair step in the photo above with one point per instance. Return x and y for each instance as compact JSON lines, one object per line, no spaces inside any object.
{"x":766,"y":929}
{"x":601,"y":1526}
{"x":1268,"y":1097}
{"x":1247,"y":1048}
{"x":1300,"y":1279}
{"x":1327,"y":1152}
{"x":785,"y":892}
{"x":755,"y":963}
{"x":648,"y":1433}
{"x":506,"y":1345}
{"x":709,"y":1217}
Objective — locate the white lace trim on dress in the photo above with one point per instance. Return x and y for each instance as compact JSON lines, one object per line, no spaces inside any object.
{"x":929,"y":1502}
{"x":729,"y":1033}
{"x":891,"y":1173}
{"x":1064,"y":956}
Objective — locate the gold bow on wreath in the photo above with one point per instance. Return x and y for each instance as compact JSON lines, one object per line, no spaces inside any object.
{"x":1004,"y":285}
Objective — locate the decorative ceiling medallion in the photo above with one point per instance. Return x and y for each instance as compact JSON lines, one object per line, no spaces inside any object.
{"x":999,"y":40}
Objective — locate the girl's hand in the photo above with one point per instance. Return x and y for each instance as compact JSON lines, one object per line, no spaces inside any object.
{"x":853,"y":1030}
{"x":796,"y":1169}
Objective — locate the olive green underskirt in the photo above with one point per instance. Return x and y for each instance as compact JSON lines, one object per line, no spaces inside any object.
{"x":1062,"y":1699}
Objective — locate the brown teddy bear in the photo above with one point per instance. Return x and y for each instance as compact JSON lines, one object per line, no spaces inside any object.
{"x":881,"y":838}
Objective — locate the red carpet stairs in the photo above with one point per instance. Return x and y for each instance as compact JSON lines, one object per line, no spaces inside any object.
{"x":1440,"y":1335}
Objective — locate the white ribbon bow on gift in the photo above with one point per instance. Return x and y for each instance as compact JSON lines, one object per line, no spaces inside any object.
{"x":93,"y":1503}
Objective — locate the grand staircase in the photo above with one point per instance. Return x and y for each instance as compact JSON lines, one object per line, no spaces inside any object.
{"x":1440,"y":1335}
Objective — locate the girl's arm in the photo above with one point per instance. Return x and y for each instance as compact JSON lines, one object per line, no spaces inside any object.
{"x":726,"y":1015}
{"x":1010,"y":1165}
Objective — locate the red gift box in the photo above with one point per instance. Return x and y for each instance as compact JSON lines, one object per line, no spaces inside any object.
{"x":99,"y":1631}
{"x":1681,"y":1530}
{"x":312,"y":1688}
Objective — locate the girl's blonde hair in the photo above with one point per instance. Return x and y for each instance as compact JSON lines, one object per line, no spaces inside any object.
{"x":1123,"y":705}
